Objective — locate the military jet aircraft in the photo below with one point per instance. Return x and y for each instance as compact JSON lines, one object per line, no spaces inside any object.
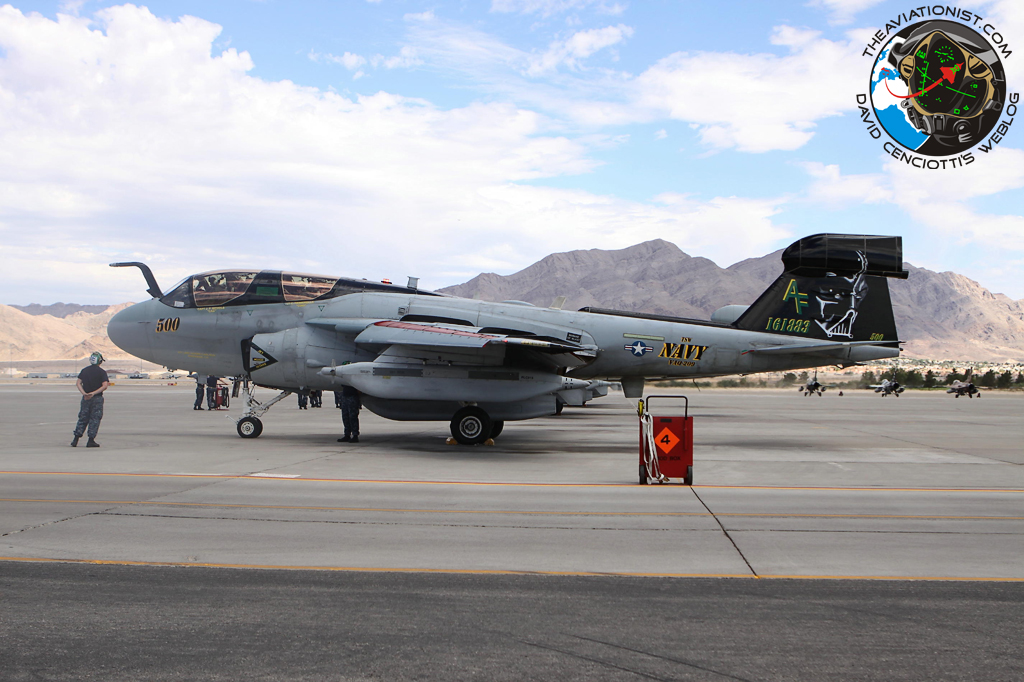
{"x":965,"y":387}
{"x":812,"y":386}
{"x":421,"y":355}
{"x":889,"y":386}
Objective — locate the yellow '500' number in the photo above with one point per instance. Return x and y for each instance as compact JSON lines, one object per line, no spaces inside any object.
{"x":788,"y":324}
{"x":169,"y":324}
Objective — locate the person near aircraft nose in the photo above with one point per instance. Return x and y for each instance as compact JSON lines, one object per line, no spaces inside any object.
{"x":211,"y":391}
{"x":92,"y":382}
{"x":350,"y":406}
{"x":200,"y":384}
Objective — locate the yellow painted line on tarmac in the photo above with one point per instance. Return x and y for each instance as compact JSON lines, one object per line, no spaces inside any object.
{"x":284,"y":507}
{"x":512,"y":512}
{"x":481,"y":571}
{"x":371,"y":569}
{"x":262,"y":476}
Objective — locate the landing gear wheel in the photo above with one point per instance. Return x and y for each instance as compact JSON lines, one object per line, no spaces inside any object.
{"x":558,"y":408}
{"x":249,"y":427}
{"x":496,"y":426}
{"x":471,"y":426}
{"x":643,"y":474}
{"x":688,"y":480}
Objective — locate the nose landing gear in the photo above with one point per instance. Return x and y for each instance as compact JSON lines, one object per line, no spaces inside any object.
{"x":249,"y":425}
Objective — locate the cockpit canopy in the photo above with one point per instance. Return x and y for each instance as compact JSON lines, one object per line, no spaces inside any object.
{"x":249,"y":287}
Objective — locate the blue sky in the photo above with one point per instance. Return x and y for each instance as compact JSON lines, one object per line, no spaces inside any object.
{"x":389,"y":138}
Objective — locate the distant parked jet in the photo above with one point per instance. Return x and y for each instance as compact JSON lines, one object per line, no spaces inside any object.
{"x":965,"y":387}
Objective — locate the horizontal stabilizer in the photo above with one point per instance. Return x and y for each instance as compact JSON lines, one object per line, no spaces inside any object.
{"x":816,"y":348}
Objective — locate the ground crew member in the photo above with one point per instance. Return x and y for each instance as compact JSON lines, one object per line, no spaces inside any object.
{"x":92,"y":381}
{"x":303,"y":399}
{"x":350,"y":406}
{"x":316,"y":398}
{"x":200,"y":383}
{"x":211,"y":392}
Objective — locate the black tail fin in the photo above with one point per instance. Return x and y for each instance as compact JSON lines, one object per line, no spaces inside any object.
{"x":834,"y":288}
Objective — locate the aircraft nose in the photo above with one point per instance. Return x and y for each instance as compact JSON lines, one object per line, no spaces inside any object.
{"x":129,"y":329}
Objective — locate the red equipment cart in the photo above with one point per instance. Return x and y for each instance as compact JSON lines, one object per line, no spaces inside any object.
{"x":220,"y":397}
{"x":666,"y":443}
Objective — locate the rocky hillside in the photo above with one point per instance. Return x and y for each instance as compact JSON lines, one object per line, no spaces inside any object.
{"x":941,"y":315}
{"x":59,"y":309}
{"x":45,"y":337}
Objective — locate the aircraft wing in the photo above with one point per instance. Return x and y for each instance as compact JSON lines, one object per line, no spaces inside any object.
{"x":435,"y":335}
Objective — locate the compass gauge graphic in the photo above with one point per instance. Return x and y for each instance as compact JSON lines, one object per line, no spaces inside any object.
{"x":954,"y":87}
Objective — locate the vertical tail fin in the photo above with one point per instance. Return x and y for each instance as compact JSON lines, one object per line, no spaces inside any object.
{"x":834,"y":287}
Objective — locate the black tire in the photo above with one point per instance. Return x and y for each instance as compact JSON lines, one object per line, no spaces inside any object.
{"x":496,"y":426}
{"x":471,"y":426}
{"x":688,"y":480}
{"x":249,"y":427}
{"x":643,"y":474}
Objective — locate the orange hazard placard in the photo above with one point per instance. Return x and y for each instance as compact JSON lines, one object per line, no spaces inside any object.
{"x":666,"y":440}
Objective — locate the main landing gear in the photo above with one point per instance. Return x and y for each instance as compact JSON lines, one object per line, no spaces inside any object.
{"x":250,"y":426}
{"x":473,"y":426}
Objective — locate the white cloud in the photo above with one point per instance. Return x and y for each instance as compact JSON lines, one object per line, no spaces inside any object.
{"x":843,"y":11}
{"x":406,"y":58}
{"x":547,"y":8}
{"x":938,"y":207}
{"x":350,"y":61}
{"x":760,"y":102}
{"x":748,"y":102}
{"x":577,"y":47}
{"x":836,"y":190}
{"x":125,"y":138}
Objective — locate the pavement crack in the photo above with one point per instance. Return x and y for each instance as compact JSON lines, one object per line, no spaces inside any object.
{"x":722,"y":526}
{"x":594,"y":660}
{"x":663,"y":658}
{"x":53,"y":522}
{"x":113,"y":512}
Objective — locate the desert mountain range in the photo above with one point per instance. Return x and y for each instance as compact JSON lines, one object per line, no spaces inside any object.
{"x":24,"y":336}
{"x":941,"y":315}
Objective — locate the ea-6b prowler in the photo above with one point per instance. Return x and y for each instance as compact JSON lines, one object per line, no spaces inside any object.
{"x":420,"y":355}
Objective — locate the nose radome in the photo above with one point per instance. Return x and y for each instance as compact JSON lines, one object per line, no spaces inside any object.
{"x":129,"y":329}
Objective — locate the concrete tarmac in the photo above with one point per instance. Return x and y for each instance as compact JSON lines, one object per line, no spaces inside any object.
{"x":923,"y":487}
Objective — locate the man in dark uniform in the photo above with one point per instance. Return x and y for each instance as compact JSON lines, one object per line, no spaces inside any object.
{"x":350,"y":406}
{"x":92,"y":381}
{"x":211,"y":392}
{"x":200,"y":385}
